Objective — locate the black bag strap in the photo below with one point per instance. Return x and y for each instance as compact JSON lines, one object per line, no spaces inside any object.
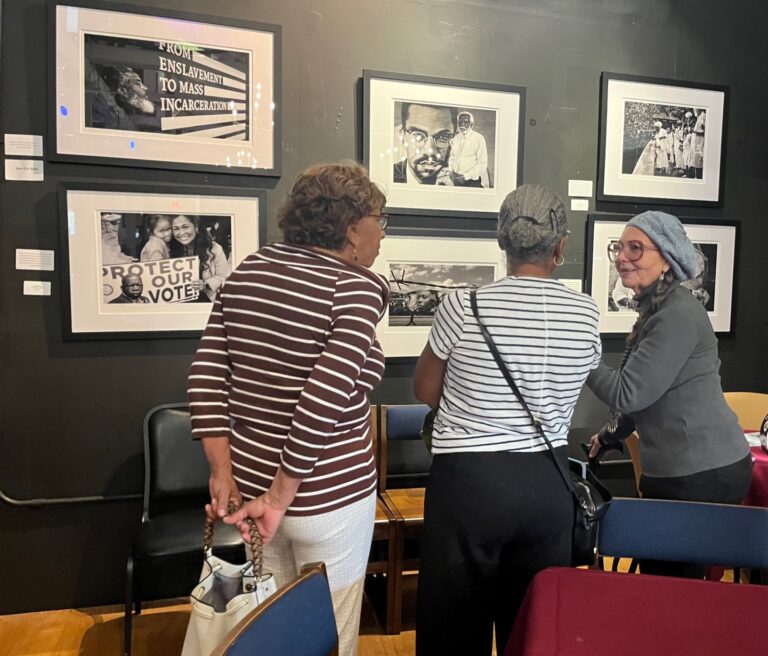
{"x":511,"y":382}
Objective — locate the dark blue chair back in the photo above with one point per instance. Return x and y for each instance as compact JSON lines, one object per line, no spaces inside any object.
{"x":685,"y":531}
{"x":297,"y":620}
{"x":405,"y":460}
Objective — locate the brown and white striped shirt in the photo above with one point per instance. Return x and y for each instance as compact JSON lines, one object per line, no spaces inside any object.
{"x":284,"y":369}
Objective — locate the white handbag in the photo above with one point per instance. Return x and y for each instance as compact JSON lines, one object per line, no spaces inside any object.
{"x":225,"y":595}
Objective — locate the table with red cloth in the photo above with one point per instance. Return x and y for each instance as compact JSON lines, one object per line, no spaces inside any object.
{"x":578,"y":612}
{"x":758,"y":491}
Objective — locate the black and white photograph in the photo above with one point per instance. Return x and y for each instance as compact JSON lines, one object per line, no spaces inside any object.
{"x":177,"y":258}
{"x":141,"y":263}
{"x":416,"y":290}
{"x":715,"y":245}
{"x":167,"y":88}
{"x":421,"y":271}
{"x":434,"y":143}
{"x":444,"y":145}
{"x":143,"y":90}
{"x":661,"y":141}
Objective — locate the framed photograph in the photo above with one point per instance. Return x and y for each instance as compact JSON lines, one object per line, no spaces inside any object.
{"x":716,"y":244}
{"x":421,"y":271}
{"x":661,"y":141}
{"x":442,"y":147}
{"x":174,"y":90}
{"x":141,"y":262}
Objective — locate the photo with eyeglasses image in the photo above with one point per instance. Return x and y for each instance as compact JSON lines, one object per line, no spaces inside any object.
{"x":702,"y":285}
{"x":444,"y":145}
{"x":416,"y":290}
{"x":663,"y":140}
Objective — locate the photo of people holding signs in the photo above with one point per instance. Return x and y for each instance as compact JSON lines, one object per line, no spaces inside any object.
{"x":180,"y":258}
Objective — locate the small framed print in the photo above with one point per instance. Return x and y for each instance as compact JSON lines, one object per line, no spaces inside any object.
{"x":716,"y":245}
{"x":661,"y":141}
{"x":442,"y":147}
{"x":421,"y":271}
{"x":174,"y":90}
{"x":146,"y":262}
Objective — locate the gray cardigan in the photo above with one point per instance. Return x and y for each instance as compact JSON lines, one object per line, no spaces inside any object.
{"x":670,"y":387}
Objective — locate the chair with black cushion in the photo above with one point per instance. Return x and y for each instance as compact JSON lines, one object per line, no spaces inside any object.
{"x":297,"y":620}
{"x":166,"y":557}
{"x":404,"y":464}
{"x":685,"y":531}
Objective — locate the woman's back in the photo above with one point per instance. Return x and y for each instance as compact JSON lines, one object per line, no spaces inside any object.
{"x":547,"y":335}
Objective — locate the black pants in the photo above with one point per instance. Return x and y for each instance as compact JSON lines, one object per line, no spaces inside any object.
{"x":491,"y":521}
{"x":728,"y":484}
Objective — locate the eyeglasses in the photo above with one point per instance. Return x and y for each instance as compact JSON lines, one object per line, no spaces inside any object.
{"x":382,"y":218}
{"x":419,"y":137}
{"x":634,"y":250}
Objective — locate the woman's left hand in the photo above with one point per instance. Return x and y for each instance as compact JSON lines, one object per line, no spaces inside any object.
{"x":264,"y":512}
{"x":594,"y":450}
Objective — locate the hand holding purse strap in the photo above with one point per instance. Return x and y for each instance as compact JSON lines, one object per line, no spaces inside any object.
{"x":256,"y":545}
{"x":511,"y":382}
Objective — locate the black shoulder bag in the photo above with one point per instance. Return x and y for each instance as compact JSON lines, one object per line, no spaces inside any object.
{"x":591,"y":498}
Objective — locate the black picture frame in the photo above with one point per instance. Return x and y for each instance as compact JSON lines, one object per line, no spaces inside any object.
{"x":717,"y":243}
{"x":92,"y":127}
{"x":89,"y":277}
{"x":498,"y":110}
{"x":645,"y":122}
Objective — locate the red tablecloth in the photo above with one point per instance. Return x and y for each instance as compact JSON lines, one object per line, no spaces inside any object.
{"x":576,"y":612}
{"x":758,"y":491}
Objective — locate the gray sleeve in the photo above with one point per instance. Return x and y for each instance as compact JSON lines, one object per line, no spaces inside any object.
{"x":669,"y":340}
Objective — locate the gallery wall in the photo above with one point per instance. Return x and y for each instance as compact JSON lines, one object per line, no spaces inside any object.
{"x":71,"y":412}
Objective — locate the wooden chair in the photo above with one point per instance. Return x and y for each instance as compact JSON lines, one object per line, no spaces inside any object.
{"x":403,"y":471}
{"x":382,"y":560}
{"x":750,"y":408}
{"x":297,"y":620}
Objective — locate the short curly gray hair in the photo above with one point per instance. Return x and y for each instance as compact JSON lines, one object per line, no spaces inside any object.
{"x":532,"y":220}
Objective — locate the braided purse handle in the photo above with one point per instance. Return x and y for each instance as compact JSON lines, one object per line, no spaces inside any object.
{"x":256,"y":546}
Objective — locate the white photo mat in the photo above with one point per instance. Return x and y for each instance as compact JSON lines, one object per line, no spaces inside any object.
{"x":383,"y":155}
{"x":89,"y":314}
{"x":409,"y":341}
{"x":616,"y":183}
{"x":74,"y":138}
{"x":722,"y":237}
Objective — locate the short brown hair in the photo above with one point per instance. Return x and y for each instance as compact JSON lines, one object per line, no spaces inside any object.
{"x":324,"y":201}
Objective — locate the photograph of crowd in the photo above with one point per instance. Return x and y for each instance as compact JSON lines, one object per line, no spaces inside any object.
{"x":702,"y":285}
{"x":163,"y":258}
{"x":663,"y":140}
{"x":444,"y":145}
{"x":416,"y":290}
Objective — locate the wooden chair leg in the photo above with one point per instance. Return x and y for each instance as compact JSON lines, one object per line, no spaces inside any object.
{"x":395,"y":578}
{"x":128,"y":614}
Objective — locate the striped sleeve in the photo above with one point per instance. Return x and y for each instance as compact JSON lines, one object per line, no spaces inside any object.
{"x":448,"y":325}
{"x":209,"y":380}
{"x":357,"y":305}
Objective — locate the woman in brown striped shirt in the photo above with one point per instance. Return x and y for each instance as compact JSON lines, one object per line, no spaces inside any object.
{"x":278,"y":387}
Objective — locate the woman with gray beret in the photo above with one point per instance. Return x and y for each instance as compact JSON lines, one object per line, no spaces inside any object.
{"x":668,"y":384}
{"x":496,"y":509}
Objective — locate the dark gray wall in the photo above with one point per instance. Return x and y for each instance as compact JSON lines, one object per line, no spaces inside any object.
{"x":72,"y":412}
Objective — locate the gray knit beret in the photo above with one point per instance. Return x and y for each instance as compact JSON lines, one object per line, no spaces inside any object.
{"x":668,"y":234}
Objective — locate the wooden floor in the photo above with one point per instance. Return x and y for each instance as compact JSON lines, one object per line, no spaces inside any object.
{"x":158,"y":631}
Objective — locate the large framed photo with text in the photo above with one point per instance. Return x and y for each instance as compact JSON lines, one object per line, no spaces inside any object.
{"x":716,"y":244}
{"x":442,"y":147}
{"x":153,"y":88}
{"x":147,"y":261}
{"x":661,"y":141}
{"x":420,"y":272}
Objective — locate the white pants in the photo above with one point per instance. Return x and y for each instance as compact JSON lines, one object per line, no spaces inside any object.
{"x":342,"y":540}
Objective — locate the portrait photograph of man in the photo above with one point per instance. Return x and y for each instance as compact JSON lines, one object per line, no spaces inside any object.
{"x":443,"y":145}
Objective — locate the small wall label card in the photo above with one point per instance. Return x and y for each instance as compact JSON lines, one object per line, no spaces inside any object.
{"x":30,"y":259}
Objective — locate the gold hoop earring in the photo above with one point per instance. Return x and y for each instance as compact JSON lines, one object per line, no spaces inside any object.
{"x":560,"y":262}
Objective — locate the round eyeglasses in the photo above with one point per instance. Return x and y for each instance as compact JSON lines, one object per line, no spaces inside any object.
{"x":419,"y":138}
{"x":634,"y":250}
{"x":382,"y":218}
